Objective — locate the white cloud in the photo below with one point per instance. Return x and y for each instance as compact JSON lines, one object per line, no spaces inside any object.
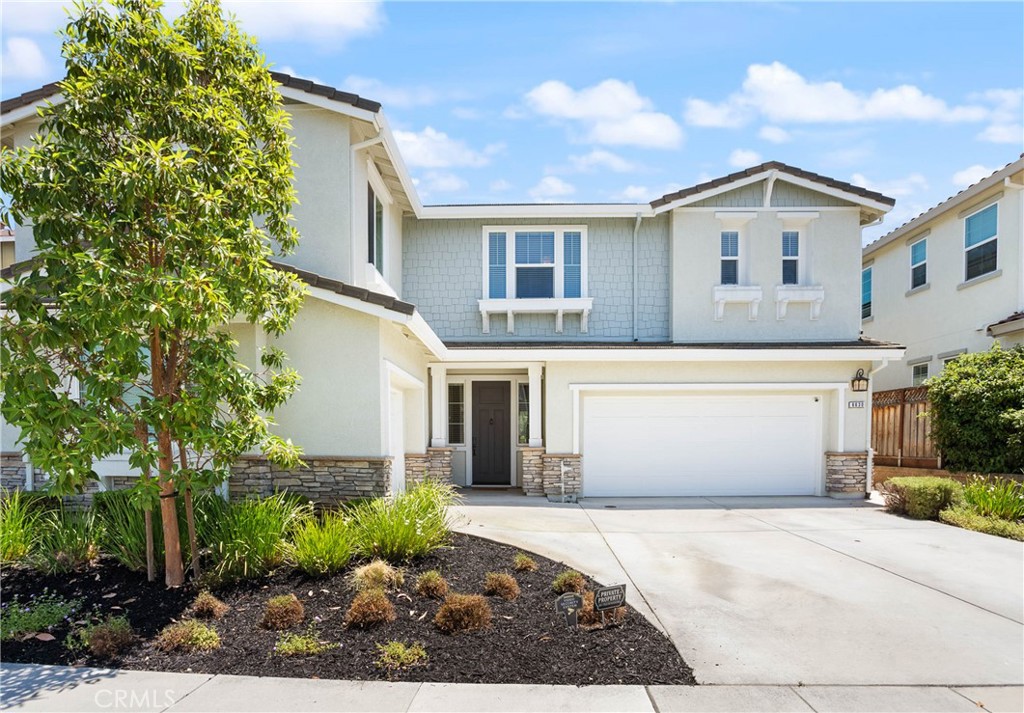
{"x":550,"y":188}
{"x":500,"y":185}
{"x":442,"y":182}
{"x":33,"y":16}
{"x":895,"y":188}
{"x":611,"y":112}
{"x":971,"y":175}
{"x":326,"y":23}
{"x":744,"y":158}
{"x":467,"y":113}
{"x":780,"y":94}
{"x":774,"y":134}
{"x":402,"y":97}
{"x":1003,"y":134}
{"x":634,"y":194}
{"x":431,"y":148}
{"x":1006,"y":126}
{"x":22,"y":59}
{"x":600,"y":159}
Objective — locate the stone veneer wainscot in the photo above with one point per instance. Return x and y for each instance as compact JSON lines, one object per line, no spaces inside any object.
{"x":846,"y":474}
{"x":326,"y":480}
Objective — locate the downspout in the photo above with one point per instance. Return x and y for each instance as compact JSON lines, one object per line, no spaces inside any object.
{"x":636,"y":279}
{"x":869,"y":485}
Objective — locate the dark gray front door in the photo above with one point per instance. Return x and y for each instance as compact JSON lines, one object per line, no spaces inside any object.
{"x":491,"y":433}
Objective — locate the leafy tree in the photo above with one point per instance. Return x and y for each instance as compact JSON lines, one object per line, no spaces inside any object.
{"x":977,"y":411}
{"x":157,"y":190}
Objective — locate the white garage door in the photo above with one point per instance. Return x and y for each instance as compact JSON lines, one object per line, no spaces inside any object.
{"x":656,"y":444}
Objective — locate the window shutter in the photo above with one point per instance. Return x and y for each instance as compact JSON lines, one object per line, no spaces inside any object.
{"x":572,"y":283}
{"x":496,"y":265}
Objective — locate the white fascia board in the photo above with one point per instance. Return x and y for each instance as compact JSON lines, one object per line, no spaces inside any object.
{"x":836,"y":192}
{"x":418,"y":326}
{"x":998,"y":330}
{"x":29,"y":111}
{"x":724,"y":188}
{"x":325,"y":103}
{"x":669,"y":354}
{"x":539,"y":210}
{"x":404,"y":177}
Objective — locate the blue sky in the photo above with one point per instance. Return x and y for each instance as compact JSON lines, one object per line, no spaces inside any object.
{"x":497,"y":102}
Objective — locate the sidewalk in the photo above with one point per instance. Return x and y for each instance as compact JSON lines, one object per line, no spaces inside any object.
{"x":58,"y":688}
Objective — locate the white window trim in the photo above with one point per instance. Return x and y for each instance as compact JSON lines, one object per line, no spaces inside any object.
{"x":738,"y":259}
{"x":799,"y":221}
{"x":735,"y":221}
{"x":910,"y":277}
{"x":994,"y":237}
{"x":800,"y":247}
{"x":913,"y":377}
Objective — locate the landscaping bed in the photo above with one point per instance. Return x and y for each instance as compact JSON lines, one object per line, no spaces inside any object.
{"x":526,"y":643}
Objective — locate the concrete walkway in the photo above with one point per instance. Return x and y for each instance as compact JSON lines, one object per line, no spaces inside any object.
{"x":57,"y":688}
{"x":791,"y":591}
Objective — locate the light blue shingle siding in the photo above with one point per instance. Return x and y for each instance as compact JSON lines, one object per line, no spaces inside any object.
{"x":442,"y":276}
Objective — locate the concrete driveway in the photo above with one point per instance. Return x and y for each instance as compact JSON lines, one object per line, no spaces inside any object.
{"x":791,"y":590}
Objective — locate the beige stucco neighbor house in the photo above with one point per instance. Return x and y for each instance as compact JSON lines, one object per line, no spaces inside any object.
{"x":702,"y":344}
{"x":949,"y":281}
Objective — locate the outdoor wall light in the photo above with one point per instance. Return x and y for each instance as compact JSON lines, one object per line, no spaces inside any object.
{"x":859,"y":382}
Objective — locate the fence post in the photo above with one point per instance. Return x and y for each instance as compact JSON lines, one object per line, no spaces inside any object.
{"x":900,"y":436}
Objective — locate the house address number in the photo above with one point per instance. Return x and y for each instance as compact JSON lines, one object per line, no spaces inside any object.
{"x":856,"y":404}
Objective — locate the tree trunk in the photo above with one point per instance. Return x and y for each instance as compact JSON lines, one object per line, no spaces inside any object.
{"x":142,"y":433}
{"x":174,"y":571}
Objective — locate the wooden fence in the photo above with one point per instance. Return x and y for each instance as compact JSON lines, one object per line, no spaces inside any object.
{"x":900,"y":430}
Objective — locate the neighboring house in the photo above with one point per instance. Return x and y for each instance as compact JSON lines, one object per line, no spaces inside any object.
{"x":949,"y":281}
{"x":702,"y":344}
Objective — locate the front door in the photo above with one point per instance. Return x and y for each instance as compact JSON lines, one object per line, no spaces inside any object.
{"x":492,"y":438}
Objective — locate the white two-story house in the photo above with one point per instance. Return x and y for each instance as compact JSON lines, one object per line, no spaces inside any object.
{"x":949,"y":281}
{"x":707,"y":343}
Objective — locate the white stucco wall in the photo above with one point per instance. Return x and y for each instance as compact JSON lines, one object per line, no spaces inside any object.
{"x":949,"y":315}
{"x":830,"y":255}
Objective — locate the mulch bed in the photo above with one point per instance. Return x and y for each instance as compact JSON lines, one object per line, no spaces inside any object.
{"x":528,"y":643}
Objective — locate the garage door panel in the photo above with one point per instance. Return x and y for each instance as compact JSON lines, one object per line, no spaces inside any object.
{"x":700,"y":445}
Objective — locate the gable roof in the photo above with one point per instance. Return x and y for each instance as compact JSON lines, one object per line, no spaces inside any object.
{"x":951,"y":203}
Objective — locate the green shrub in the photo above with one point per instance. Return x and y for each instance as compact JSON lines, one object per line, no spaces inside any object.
{"x":19,"y":526}
{"x":965,"y":516}
{"x":977,"y":411}
{"x":920,"y":498}
{"x":67,"y":541}
{"x":396,"y":655}
{"x":107,"y":638}
{"x":569,"y":580}
{"x":308,"y":644}
{"x":188,"y":636}
{"x":431,"y":584}
{"x":323,"y":546}
{"x":995,"y":497}
{"x":40,"y":613}
{"x":251,"y":536}
{"x":409,"y":525}
{"x":377,"y":575}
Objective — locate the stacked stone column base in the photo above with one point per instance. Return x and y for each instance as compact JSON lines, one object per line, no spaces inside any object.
{"x":846,"y":474}
{"x":326,"y":480}
{"x":435,"y":464}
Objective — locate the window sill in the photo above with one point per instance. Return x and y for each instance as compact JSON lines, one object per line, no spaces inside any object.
{"x":919,"y":288}
{"x":750,"y":295}
{"x":979,"y":279}
{"x":869,"y":318}
{"x":812,"y":294}
{"x":557,"y":306}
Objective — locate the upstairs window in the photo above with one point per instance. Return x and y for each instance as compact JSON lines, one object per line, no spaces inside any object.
{"x":790,"y":257}
{"x":535,"y":262}
{"x":374,"y":230}
{"x":920,"y":374}
{"x":918,"y":264}
{"x":980,"y":242}
{"x":865,"y":293}
{"x":6,"y":247}
{"x":730,"y":270}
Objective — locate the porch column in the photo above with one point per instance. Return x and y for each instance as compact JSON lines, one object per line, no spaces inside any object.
{"x":536,"y":394}
{"x":438,"y":406}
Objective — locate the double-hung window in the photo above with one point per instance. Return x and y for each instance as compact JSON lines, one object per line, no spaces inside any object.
{"x":730,"y":272}
{"x":535,"y":262}
{"x":980,"y":242}
{"x":919,"y":264}
{"x":919,"y":374}
{"x":374,"y":229}
{"x":865,"y":293}
{"x":790,"y":257}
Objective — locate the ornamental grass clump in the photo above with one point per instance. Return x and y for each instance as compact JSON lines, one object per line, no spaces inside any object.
{"x":431,"y":584}
{"x":188,"y":636}
{"x":371,"y":607}
{"x":40,"y":613}
{"x":995,"y":497}
{"x":377,"y":575}
{"x":108,"y":638}
{"x":283,"y":612}
{"x":569,"y":580}
{"x":207,"y":606}
{"x":323,"y":546}
{"x":19,"y":526}
{"x":407,"y":526}
{"x":397,"y":655}
{"x":522,"y":562}
{"x":463,"y":612}
{"x":67,"y":541}
{"x":501,"y":585}
{"x":251,"y":537}
{"x":308,"y":644}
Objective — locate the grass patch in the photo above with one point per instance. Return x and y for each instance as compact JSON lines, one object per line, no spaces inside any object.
{"x":396,"y":655}
{"x":251,"y":537}
{"x":67,"y":541}
{"x":569,"y":580}
{"x":308,"y":644}
{"x":19,"y":526}
{"x":283,"y":612}
{"x":995,"y":497}
{"x":106,"y":639}
{"x":432,"y":584}
{"x":964,"y":516}
{"x":207,"y":606}
{"x":522,"y":562}
{"x":501,"y":585}
{"x":377,"y":575}
{"x":371,"y":607}
{"x":188,"y":636}
{"x":463,"y":612}
{"x":322,"y":547}
{"x":407,"y":526}
{"x":39,"y":614}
